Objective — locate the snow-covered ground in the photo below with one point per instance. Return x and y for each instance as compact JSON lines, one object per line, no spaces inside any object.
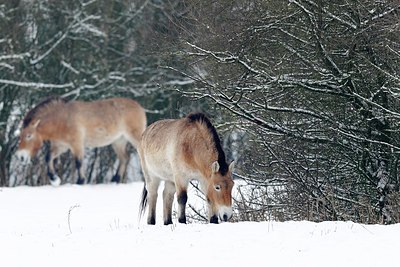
{"x":97,"y":225}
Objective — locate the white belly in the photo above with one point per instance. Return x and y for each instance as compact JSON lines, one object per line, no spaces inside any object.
{"x":169,"y":170}
{"x":101,"y":137}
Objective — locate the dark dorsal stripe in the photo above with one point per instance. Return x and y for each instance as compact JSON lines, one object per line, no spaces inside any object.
{"x":33,"y":112}
{"x":201,"y":117}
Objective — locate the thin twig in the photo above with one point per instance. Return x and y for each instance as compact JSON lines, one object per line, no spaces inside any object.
{"x":69,"y":217}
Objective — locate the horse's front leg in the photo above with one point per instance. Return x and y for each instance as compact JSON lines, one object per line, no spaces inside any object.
{"x":181,"y":191}
{"x":182,"y":200}
{"x":55,"y":180}
{"x":55,"y":151}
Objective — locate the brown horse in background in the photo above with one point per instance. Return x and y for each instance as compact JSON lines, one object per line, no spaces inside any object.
{"x":75,"y":125}
{"x":178,"y":151}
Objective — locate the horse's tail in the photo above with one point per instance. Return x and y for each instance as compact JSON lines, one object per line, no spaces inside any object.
{"x":143,"y":202}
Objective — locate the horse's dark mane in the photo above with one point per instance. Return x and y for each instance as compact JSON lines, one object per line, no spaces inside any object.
{"x":33,"y":112}
{"x":201,"y":117}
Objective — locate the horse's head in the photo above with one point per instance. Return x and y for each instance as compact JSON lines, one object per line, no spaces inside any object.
{"x":219,"y":194}
{"x":30,"y":142}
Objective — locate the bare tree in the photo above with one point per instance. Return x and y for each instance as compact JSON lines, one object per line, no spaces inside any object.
{"x":79,"y":50}
{"x":315,"y":85}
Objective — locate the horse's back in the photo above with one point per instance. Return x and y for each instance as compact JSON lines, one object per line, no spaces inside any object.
{"x":104,"y":121}
{"x":160,"y":137}
{"x":131,"y":114}
{"x":159,"y":133}
{"x":111,"y":106}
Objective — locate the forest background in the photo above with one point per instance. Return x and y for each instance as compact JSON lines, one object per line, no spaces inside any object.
{"x":304,"y":93}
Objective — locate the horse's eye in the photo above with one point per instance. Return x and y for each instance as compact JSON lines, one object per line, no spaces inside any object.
{"x":217,"y":187}
{"x":28,"y":136}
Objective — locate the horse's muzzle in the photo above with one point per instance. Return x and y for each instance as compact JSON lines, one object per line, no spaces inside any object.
{"x":225,"y":213}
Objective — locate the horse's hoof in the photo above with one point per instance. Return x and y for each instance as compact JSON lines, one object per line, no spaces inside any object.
{"x":115,"y":179}
{"x":168,"y":221}
{"x":80,"y":181}
{"x":182,"y":220}
{"x":56,"y":181}
{"x":151,"y":221}
{"x":214,"y":219}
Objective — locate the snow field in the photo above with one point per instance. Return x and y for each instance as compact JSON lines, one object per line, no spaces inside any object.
{"x":97,"y":225}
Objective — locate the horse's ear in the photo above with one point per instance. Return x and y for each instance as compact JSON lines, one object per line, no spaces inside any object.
{"x":36,"y":124}
{"x":215,"y":167}
{"x":231,"y":166}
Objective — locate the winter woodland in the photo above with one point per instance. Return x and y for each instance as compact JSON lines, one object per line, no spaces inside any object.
{"x":305,"y":94}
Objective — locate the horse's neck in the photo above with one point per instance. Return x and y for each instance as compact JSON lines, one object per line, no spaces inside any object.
{"x":204,"y":158}
{"x":50,"y":123}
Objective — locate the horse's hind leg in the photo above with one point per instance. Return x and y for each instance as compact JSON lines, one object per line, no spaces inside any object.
{"x":152,"y":188}
{"x":168,"y":198}
{"x":149,"y":197}
{"x":79,"y":168}
{"x":120,"y":149}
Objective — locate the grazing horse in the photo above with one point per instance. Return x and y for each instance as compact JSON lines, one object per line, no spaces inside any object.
{"x":178,"y":151}
{"x":75,"y":125}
